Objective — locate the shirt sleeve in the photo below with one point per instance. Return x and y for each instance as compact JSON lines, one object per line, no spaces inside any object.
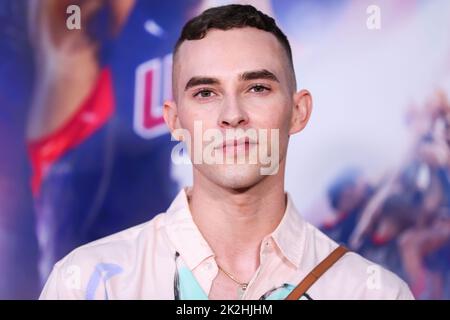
{"x":404,"y":293}
{"x":50,"y":290}
{"x":64,"y":283}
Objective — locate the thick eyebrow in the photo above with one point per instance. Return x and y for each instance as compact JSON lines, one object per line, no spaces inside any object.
{"x":246,"y":76}
{"x":198,"y":81}
{"x":258,"y":74}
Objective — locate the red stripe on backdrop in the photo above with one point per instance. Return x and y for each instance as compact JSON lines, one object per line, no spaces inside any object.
{"x":92,"y":114}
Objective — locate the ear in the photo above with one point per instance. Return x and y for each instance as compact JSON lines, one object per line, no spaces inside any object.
{"x":301,"y":111}
{"x":170,"y":114}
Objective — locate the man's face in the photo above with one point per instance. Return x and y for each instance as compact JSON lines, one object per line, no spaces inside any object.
{"x":229,"y":80}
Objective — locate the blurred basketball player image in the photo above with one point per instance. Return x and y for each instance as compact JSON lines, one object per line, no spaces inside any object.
{"x":90,"y":136}
{"x":235,"y":233}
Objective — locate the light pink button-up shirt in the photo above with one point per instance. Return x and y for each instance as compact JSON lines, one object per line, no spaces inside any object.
{"x":168,"y":258}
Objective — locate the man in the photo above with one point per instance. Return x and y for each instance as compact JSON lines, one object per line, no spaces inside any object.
{"x":235,"y":233}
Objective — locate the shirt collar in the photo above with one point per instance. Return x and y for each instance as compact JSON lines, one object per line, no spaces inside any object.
{"x":183,"y":232}
{"x":289,"y":235}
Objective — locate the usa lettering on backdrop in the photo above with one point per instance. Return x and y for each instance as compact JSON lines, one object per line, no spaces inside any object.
{"x":153,"y":86}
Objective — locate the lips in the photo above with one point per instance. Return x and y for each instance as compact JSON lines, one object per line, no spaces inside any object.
{"x":235,"y":143}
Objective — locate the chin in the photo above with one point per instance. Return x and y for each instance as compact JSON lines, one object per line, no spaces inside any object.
{"x":235,"y":176}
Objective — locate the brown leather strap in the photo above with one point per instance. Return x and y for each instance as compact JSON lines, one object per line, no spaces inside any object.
{"x":316,"y":273}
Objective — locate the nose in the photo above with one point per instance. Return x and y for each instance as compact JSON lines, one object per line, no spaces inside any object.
{"x":232,"y":115}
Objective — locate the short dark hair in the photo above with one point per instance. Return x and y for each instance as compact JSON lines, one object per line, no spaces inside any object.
{"x":229,"y":17}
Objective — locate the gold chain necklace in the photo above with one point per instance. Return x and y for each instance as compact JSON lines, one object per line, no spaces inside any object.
{"x":242,"y":285}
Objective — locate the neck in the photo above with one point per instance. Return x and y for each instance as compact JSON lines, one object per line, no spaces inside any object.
{"x":234,"y":222}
